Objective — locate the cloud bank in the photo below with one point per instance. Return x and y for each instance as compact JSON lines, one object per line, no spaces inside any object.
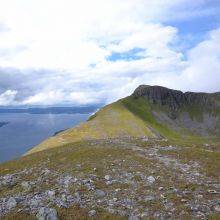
{"x":83,"y":52}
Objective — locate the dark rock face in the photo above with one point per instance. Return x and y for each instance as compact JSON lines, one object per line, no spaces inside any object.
{"x":175,"y":98}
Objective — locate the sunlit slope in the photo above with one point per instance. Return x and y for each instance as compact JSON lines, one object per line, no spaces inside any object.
{"x":114,"y":120}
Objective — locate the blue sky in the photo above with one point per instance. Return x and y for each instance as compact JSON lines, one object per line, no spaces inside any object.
{"x":133,"y":54}
{"x":83,"y":52}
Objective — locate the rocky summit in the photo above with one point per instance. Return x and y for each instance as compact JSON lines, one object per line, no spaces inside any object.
{"x":177,"y":99}
{"x":152,"y":155}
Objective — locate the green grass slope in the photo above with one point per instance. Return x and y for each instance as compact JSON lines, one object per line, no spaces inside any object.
{"x":114,"y":120}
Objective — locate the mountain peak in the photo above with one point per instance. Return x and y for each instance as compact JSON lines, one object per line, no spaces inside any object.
{"x":175,"y":98}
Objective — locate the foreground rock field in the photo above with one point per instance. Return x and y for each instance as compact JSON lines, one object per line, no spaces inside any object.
{"x":125,"y":178}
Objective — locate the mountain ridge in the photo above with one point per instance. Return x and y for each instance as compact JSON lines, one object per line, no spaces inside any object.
{"x":150,"y":111}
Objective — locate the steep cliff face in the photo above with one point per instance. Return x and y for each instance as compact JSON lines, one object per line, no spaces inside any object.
{"x":176,"y":99}
{"x":190,"y":112}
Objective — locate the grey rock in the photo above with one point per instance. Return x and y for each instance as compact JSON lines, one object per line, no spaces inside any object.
{"x":51,"y":194}
{"x":11,"y":203}
{"x":45,"y":172}
{"x":64,"y":197}
{"x":78,"y":166}
{"x":184,"y":200}
{"x":144,"y":214}
{"x":61,"y":203}
{"x":99,"y":193}
{"x":108,"y":177}
{"x":8,"y":180}
{"x":90,"y":186}
{"x":92,"y":213}
{"x":34,"y":202}
{"x":151,"y":179}
{"x":109,"y":182}
{"x":78,"y":197}
{"x":217,"y":208}
{"x":67,"y":181}
{"x":47,"y":214}
{"x":128,"y":203}
{"x":145,"y":139}
{"x":70,"y":198}
{"x":149,"y":198}
{"x":111,"y":210}
{"x":121,"y":212}
{"x":212,"y":191}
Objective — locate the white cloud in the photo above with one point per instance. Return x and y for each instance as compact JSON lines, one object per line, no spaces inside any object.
{"x":54,"y":51}
{"x":202,"y":72}
{"x":68,"y":33}
{"x":7,"y":98}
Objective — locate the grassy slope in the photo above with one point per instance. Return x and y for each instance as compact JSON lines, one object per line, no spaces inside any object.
{"x":114,"y":120}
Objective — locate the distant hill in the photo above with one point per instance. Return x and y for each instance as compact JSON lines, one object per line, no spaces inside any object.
{"x":51,"y":110}
{"x":153,"y":112}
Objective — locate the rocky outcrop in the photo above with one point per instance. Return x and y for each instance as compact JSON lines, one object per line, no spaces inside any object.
{"x":175,"y":98}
